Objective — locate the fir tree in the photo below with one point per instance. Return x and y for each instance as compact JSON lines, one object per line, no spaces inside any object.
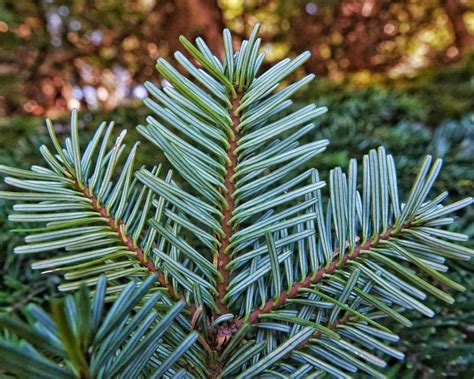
{"x":232,"y":264}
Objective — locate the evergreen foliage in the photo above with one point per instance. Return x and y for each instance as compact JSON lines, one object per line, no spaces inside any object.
{"x":262,"y":273}
{"x":83,"y":339}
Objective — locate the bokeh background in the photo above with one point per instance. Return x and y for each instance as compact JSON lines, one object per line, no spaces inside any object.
{"x":397,"y":73}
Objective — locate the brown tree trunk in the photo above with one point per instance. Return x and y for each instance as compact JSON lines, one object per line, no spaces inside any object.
{"x":464,"y":40}
{"x":194,"y":18}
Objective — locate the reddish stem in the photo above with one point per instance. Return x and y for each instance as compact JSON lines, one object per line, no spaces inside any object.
{"x":223,"y":257}
{"x":118,"y":227}
{"x":312,"y":279}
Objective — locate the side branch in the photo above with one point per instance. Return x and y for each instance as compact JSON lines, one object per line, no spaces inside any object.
{"x":118,"y":227}
{"x":312,"y":279}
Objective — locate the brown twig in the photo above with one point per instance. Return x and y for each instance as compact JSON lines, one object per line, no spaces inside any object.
{"x":223,"y":257}
{"x":118,"y":227}
{"x":312,"y":279}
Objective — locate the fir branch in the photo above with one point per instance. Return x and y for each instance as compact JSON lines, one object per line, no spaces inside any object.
{"x":310,"y":280}
{"x":70,"y":196}
{"x":83,"y":338}
{"x":117,"y":225}
{"x":278,"y":282}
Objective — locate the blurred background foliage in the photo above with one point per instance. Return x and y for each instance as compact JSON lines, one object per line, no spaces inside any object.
{"x":59,"y":54}
{"x":393,"y":73}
